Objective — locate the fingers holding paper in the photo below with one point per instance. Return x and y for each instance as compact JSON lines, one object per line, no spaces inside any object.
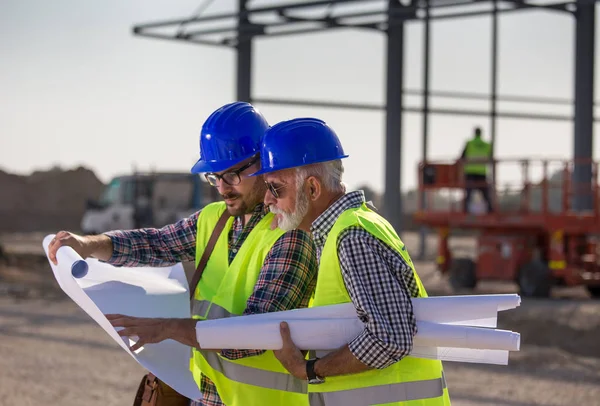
{"x":146,"y":330}
{"x":154,"y":330}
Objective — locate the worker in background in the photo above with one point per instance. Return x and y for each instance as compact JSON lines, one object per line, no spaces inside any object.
{"x":361,"y":260}
{"x":476,"y":156}
{"x":254,"y":269}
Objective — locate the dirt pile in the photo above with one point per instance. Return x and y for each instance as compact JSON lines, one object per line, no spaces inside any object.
{"x":46,"y":200}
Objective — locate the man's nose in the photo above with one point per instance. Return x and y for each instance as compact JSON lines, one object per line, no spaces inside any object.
{"x":269,"y":198}
{"x":223,"y":187}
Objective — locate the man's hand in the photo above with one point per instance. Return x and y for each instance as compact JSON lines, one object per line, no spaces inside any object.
{"x":290,"y":356}
{"x":155,"y":330}
{"x":98,"y":246}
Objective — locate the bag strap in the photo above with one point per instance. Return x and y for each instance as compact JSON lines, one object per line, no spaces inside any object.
{"x":147,"y":391}
{"x":207,"y":251}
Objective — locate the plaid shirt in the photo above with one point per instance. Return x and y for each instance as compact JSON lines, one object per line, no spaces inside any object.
{"x":380,"y":284}
{"x":286,"y":281}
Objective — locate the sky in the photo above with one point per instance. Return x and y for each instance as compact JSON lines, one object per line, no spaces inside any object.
{"x":78,"y":88}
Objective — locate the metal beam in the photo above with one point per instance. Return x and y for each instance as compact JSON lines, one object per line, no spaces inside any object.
{"x":244,"y":59}
{"x":485,"y":96}
{"x":316,"y":103}
{"x":560,"y":7}
{"x":406,"y":15}
{"x":425,"y":117}
{"x":191,"y":41}
{"x":249,"y":28}
{"x":245,"y":13}
{"x":329,"y":21}
{"x":410,"y":109}
{"x":494,"y":75}
{"x":494,"y":96}
{"x":392,"y":198}
{"x":585,"y":18}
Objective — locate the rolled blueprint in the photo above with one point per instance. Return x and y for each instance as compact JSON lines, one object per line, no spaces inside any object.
{"x":332,"y":333}
{"x":142,"y":292}
{"x":471,"y":310}
{"x":79,"y":269}
{"x":441,"y":333}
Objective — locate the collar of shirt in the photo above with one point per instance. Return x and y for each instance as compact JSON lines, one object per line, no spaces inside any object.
{"x":322,"y":225}
{"x":239,"y":231}
{"x":257,"y":214}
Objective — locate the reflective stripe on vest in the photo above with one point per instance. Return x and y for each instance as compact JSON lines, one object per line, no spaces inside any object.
{"x":241,"y":373}
{"x":207,"y":310}
{"x":254,"y":376}
{"x":375,"y":395}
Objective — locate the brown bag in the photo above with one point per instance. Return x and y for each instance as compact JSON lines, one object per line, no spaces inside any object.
{"x":152,"y":391}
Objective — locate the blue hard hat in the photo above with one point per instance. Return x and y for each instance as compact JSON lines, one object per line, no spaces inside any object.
{"x":298,"y":142}
{"x":230,"y":135}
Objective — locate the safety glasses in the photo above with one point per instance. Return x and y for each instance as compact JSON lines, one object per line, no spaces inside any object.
{"x":232,"y":178}
{"x":274,"y":190}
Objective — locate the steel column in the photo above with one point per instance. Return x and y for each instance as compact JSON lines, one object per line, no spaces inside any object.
{"x":425,"y":137}
{"x":392,"y":199}
{"x":494,"y":75}
{"x":244,"y":58}
{"x":584,"y":103}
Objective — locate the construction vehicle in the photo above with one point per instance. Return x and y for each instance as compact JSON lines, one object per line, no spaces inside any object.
{"x":534,"y":236}
{"x":146,"y":200}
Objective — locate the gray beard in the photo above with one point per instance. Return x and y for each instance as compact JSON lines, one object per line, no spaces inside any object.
{"x":291,"y":221}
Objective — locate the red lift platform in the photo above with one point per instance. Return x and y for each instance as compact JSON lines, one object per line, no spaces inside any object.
{"x":533,"y":236}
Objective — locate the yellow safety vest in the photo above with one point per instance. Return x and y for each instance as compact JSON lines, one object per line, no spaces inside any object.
{"x":222,"y":292}
{"x":477,"y":148}
{"x":410,"y":381}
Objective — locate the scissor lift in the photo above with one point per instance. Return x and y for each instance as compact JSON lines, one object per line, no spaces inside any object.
{"x":533,"y":236}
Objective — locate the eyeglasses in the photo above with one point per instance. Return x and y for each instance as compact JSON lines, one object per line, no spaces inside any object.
{"x":232,"y":178}
{"x":273,"y":189}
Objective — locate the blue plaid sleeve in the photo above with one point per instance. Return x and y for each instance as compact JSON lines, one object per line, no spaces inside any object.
{"x":380,"y":284}
{"x":155,"y":247}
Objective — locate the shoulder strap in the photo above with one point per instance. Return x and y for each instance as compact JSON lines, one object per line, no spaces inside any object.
{"x":207,"y":251}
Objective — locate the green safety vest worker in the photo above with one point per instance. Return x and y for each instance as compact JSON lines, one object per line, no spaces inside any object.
{"x":222,"y":292}
{"x":476,"y":148}
{"x":410,"y":381}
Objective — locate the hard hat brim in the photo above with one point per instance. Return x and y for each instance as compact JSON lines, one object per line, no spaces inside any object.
{"x":216,"y":166}
{"x":262,"y":171}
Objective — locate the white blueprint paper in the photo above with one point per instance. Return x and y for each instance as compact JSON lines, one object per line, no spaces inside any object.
{"x":141,"y":292}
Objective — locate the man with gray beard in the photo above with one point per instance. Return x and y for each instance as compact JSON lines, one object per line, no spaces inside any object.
{"x":361,"y":260}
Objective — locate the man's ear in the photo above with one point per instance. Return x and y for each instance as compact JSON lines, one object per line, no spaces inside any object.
{"x":314,"y":188}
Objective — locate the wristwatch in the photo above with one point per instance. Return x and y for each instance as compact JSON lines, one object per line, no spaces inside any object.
{"x":313,"y":378}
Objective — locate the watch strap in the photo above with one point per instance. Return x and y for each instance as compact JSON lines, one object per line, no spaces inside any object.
{"x":311,"y":375}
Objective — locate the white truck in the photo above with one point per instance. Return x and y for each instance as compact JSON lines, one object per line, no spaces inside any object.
{"x":146,"y":200}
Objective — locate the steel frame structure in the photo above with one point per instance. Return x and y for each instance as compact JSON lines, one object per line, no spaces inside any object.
{"x":237,"y":30}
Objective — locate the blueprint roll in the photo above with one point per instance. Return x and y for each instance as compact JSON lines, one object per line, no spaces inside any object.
{"x":139,"y":291}
{"x":79,"y":269}
{"x":67,"y":256}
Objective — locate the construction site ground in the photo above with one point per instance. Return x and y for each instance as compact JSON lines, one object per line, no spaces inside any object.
{"x":52,"y":353}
